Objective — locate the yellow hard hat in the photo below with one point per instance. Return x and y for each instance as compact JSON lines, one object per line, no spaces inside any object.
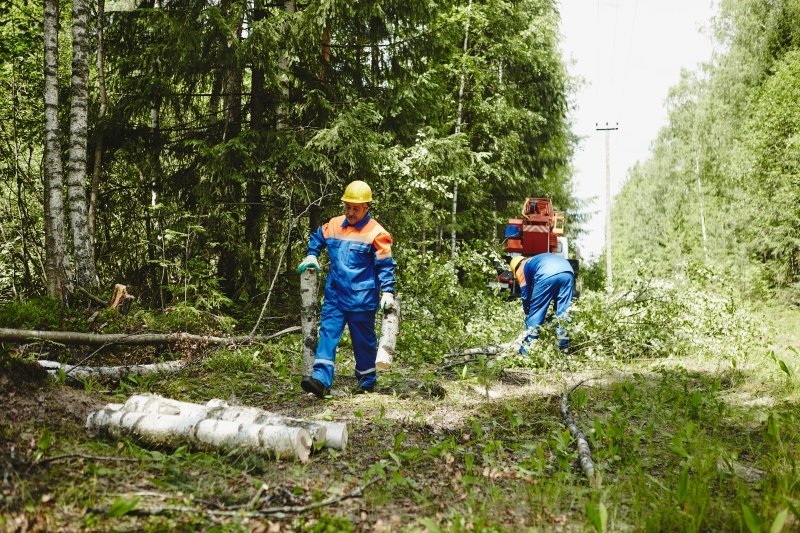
{"x":515,"y":261}
{"x":357,"y":192}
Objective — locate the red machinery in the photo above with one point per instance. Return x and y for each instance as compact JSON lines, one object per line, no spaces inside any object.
{"x":540,"y":230}
{"x":537,"y":231}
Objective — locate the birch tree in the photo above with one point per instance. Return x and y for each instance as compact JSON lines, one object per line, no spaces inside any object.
{"x":57,"y":267}
{"x":85,"y":271}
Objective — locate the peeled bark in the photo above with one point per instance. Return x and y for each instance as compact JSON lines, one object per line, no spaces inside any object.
{"x":308,"y":317}
{"x":204,"y":433}
{"x":390,"y":326}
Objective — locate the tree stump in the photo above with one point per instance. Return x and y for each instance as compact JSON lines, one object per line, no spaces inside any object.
{"x":120,"y":299}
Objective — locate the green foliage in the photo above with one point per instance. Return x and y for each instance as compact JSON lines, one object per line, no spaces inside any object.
{"x":663,"y":319}
{"x":40,"y":313}
{"x":720,"y":187}
{"x":593,"y":275}
{"x":122,"y":506}
{"x":238,"y":360}
{"x":214,"y":162}
{"x":192,"y":320}
{"x":441,"y":313}
{"x":326,"y":523}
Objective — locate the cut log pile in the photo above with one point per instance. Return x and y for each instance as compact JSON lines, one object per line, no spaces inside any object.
{"x":160,"y":421}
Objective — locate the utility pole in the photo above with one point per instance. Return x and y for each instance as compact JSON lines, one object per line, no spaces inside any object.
{"x":608,"y":129}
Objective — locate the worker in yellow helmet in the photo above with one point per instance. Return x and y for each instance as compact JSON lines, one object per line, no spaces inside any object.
{"x":542,"y":279}
{"x":360,"y":280}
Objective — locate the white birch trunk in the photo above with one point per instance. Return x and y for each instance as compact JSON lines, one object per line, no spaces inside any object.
{"x":334,"y":434}
{"x":55,"y":233}
{"x":204,"y":433}
{"x":109,"y":372}
{"x":308,"y":317}
{"x":85,"y":271}
{"x":390,"y":327}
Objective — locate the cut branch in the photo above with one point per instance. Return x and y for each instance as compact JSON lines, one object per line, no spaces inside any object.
{"x":584,"y":452}
{"x":43,"y":462}
{"x":275,"y":512}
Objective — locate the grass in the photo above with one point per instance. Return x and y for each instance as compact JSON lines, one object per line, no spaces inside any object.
{"x":687,"y":443}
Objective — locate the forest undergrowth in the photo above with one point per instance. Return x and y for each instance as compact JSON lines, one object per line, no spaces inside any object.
{"x":689,"y":400}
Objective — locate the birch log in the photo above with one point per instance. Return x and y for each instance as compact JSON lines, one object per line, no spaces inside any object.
{"x":204,"y":433}
{"x":308,"y":317}
{"x":109,"y":372}
{"x":333,"y":434}
{"x":390,"y":327}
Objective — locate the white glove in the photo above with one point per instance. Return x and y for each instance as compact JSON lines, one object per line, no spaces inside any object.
{"x":387,"y":301}
{"x":309,"y":262}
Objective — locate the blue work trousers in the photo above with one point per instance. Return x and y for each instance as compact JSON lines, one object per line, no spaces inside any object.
{"x":558,"y":288}
{"x":365,"y":344}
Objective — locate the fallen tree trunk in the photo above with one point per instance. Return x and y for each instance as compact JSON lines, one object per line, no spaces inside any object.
{"x":204,"y":433}
{"x":334,"y":434}
{"x":113,"y":372}
{"x":95,"y":339}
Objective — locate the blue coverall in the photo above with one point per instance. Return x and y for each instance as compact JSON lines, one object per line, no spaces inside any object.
{"x":361,"y":267}
{"x":542,"y":279}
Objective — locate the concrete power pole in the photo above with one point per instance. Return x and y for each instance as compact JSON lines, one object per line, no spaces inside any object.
{"x":608,"y":129}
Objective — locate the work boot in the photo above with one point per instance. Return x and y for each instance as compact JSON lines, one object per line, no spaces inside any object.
{"x":314,"y":386}
{"x":364,"y":390}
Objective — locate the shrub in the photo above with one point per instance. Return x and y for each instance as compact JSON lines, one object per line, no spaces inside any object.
{"x":40,"y":313}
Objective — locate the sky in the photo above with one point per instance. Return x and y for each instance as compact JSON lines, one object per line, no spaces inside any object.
{"x":628,"y":53}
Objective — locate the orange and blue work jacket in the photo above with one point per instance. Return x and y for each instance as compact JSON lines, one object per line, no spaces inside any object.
{"x":361,"y":262}
{"x":536,"y":270}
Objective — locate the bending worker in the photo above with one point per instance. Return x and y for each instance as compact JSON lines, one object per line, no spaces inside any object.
{"x":542,"y":279}
{"x":361,"y":268}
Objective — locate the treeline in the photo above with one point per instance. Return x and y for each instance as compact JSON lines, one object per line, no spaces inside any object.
{"x":217,"y":132}
{"x":722,"y":188}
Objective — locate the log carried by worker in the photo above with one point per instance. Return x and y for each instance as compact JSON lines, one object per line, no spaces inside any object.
{"x":544,"y":278}
{"x":360,"y":281}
